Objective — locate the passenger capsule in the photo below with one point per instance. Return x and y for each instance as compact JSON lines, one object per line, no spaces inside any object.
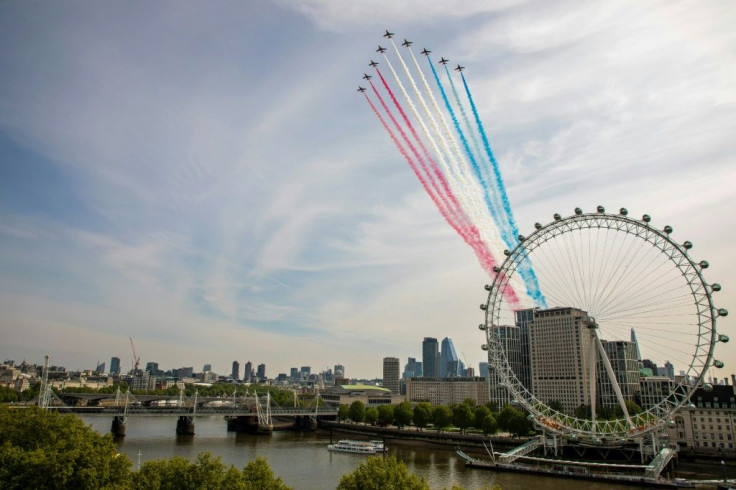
{"x":521,"y":238}
{"x":557,"y":217}
{"x":723,"y":338}
{"x":488,"y":287}
{"x":718,"y":364}
{"x":707,"y":387}
{"x":646,"y":218}
{"x":687,"y":245}
{"x":506,"y":252}
{"x":484,"y":346}
{"x":601,"y":209}
{"x":668,"y":229}
{"x":623,"y":211}
{"x":483,"y":307}
{"x":482,"y":326}
{"x":538,"y":226}
{"x":723,"y":312}
{"x":496,"y":269}
{"x":704,"y":264}
{"x":671,"y":424}
{"x":578,"y":211}
{"x":715,"y":287}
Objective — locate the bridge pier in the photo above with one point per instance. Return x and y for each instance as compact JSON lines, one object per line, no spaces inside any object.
{"x":118,"y":426}
{"x":243,"y":423}
{"x":185,"y":426}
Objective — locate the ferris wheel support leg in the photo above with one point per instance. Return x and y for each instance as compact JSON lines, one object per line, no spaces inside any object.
{"x":592,"y":382}
{"x":612,"y":377}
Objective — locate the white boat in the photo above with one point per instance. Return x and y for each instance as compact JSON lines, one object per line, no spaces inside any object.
{"x":350,"y":446}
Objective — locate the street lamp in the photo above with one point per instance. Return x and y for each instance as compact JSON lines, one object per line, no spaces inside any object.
{"x":723,"y":467}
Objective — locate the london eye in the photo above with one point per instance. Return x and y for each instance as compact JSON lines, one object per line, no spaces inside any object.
{"x":642,"y":318}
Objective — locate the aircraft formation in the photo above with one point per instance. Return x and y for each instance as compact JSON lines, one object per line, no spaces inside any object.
{"x":438,"y":130}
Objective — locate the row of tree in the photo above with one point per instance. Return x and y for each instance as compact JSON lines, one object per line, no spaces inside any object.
{"x":464,"y":416}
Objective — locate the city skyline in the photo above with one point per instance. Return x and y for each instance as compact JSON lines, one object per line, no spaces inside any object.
{"x":207,"y":182}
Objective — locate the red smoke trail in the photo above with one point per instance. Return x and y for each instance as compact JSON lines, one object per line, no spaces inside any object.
{"x":468,"y":232}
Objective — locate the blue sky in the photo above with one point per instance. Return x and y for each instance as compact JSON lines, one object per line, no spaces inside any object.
{"x":204,"y":178}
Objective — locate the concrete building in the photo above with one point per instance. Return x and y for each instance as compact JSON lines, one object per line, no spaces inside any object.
{"x":708,"y":427}
{"x":339,"y":371}
{"x":446,"y":391}
{"x":391,"y":372}
{"x":559,"y":352}
{"x":431,"y":357}
{"x":261,"y":372}
{"x":524,"y":319}
{"x":370,"y":396}
{"x":248,"y":372}
{"x":509,"y":337}
{"x":235,"y":374}
{"x":410,"y":369}
{"x":654,"y":389}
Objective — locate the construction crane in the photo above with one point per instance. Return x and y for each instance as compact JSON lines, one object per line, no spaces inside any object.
{"x":136,"y":359}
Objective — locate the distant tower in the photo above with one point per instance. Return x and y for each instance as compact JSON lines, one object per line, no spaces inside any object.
{"x":339,"y":371}
{"x":449,"y":362}
{"x":236,"y":370}
{"x":206,"y":368}
{"x":483,"y":370}
{"x":248,"y":372}
{"x":410,"y":370}
{"x":100,"y":367}
{"x":636,"y":343}
{"x":391,"y":374}
{"x":430,"y":357}
{"x":669,"y":369}
{"x":261,"y":373}
{"x":115,"y":365}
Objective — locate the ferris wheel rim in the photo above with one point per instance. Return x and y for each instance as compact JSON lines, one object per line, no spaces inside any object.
{"x":699,"y":290}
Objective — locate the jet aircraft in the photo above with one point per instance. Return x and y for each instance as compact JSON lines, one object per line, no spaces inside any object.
{"x":380,"y":49}
{"x":426,"y":52}
{"x":459,"y":68}
{"x":366,"y":76}
{"x":443,"y":61}
{"x":406,"y":43}
{"x":373,"y":63}
{"x":361,"y":89}
{"x":388,"y":35}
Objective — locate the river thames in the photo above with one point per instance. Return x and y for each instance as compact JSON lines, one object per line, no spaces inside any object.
{"x":302,"y":460}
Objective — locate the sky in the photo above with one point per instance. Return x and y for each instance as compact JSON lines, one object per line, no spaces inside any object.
{"x":204,"y":178}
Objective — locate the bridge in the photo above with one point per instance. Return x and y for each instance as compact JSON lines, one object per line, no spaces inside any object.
{"x":247,"y":413}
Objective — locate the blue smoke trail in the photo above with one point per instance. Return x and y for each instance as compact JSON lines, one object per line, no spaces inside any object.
{"x":495,"y":212}
{"x":525,"y":268}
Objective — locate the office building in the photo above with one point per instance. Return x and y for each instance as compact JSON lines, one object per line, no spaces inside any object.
{"x":235,"y":374}
{"x":115,"y":365}
{"x":446,"y":391}
{"x":410,"y":369}
{"x":431,"y":357}
{"x":248,"y":372}
{"x":294,"y":373}
{"x":654,"y":389}
{"x":559,"y":353}
{"x":509,"y":339}
{"x":100,"y":368}
{"x":449,"y":362}
{"x":483,"y":369}
{"x":708,"y":427}
{"x":622,"y":356}
{"x":206,"y":368}
{"x":339,"y":371}
{"x":261,"y":372}
{"x":152,"y":367}
{"x":391,"y":372}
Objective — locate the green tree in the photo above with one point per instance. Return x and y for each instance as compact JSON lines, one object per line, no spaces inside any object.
{"x":39,"y":448}
{"x":343,"y":412}
{"x":489,"y":425}
{"x":8,"y":395}
{"x":631,"y":407}
{"x":386,"y":415}
{"x":462,"y":417}
{"x":470,"y":402}
{"x":556,"y":405}
{"x":583,"y":412}
{"x":442,"y":417}
{"x":519,"y":424}
{"x":382,"y":474}
{"x":505,"y":415}
{"x":492,"y":406}
{"x":357,"y":411}
{"x":479,"y":414}
{"x":371,"y":415}
{"x":403,"y":414}
{"x":258,"y":475}
{"x":422,"y":414}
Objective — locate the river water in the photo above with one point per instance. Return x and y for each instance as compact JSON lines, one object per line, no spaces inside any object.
{"x":302,"y":460}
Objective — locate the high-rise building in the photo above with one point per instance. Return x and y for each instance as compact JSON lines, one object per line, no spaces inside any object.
{"x":509,"y":337}
{"x":483,"y":369}
{"x":559,"y":350}
{"x":294,"y":373}
{"x":410,"y":370}
{"x":524,"y":319}
{"x":261,"y":373}
{"x":431,"y":357}
{"x":115,"y":365}
{"x":307,"y":370}
{"x":622,"y":356}
{"x":339,"y":371}
{"x":449,"y":362}
{"x":152,"y":368}
{"x":669,"y":369}
{"x":248,"y":372}
{"x":206,"y":368}
{"x":636,"y":343}
{"x":100,"y":367}
{"x":236,"y":370}
{"x":391,"y":374}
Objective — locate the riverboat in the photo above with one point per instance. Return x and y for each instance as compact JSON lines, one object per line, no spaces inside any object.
{"x":350,"y":446}
{"x":378,"y":445}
